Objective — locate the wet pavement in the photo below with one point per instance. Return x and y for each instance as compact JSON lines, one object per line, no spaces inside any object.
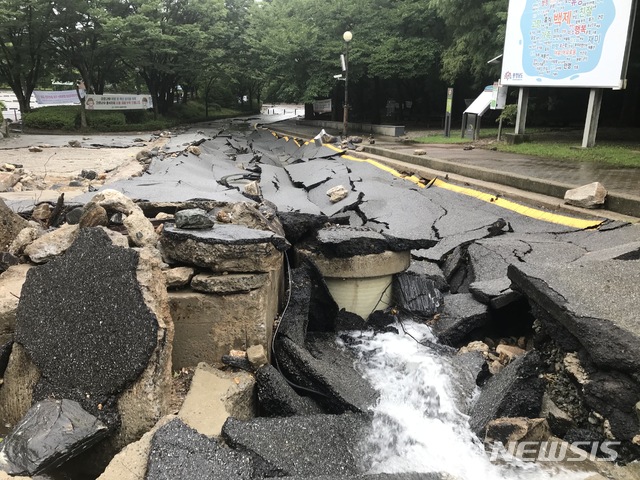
{"x":618,"y":181}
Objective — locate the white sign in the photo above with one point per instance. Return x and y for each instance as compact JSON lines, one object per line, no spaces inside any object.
{"x":481,"y":104}
{"x":322,"y":106}
{"x":498,"y":97}
{"x":118,"y":102}
{"x":56,"y":98}
{"x":566,"y":43}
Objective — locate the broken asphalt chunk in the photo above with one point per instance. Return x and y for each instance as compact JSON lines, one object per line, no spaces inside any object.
{"x":462,"y":315}
{"x":52,"y":432}
{"x":315,"y":444}
{"x":575,"y":297}
{"x":178,"y":451}
{"x":516,"y":391}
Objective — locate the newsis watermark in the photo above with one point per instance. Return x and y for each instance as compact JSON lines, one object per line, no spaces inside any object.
{"x":553,"y":451}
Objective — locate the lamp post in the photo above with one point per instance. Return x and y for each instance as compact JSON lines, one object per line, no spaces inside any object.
{"x":347,"y":36}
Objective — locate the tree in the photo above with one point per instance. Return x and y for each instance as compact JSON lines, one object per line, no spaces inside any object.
{"x":81,"y":41}
{"x":25,"y":27}
{"x":167,"y":40}
{"x":476,"y":32}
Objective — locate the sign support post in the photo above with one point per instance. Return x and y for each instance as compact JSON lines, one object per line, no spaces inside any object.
{"x":447,"y":115}
{"x":523,"y":105}
{"x":593,"y":115}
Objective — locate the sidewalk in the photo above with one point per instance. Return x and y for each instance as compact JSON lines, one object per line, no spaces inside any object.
{"x":532,"y":174}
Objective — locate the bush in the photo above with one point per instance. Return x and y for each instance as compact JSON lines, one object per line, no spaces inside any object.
{"x":105,"y":120}
{"x":52,"y":118}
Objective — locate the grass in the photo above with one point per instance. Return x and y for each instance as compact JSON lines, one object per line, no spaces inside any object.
{"x":619,"y":155}
{"x":612,"y":148}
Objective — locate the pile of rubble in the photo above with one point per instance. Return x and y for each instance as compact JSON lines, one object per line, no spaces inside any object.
{"x":218,"y":258}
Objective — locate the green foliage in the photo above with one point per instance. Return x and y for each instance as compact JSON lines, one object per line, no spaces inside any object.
{"x":509,"y":114}
{"x":51,"y":118}
{"x":609,"y":154}
{"x":105,"y":120}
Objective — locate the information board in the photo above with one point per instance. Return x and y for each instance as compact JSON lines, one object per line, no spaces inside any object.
{"x":567,"y":43}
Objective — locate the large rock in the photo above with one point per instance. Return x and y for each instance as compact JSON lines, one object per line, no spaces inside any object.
{"x":10,"y":226}
{"x":178,"y":451}
{"x":588,"y":196}
{"x":52,"y":244}
{"x":96,"y":324}
{"x":315,"y":445}
{"x":516,"y":391}
{"x":225,"y":248}
{"x":11,"y":282}
{"x":208,"y":326}
{"x":52,"y":432}
{"x":139,"y":228}
{"x":578,"y":298}
{"x":214,"y":396}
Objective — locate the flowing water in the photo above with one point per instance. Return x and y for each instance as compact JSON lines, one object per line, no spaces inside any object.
{"x":417,"y":424}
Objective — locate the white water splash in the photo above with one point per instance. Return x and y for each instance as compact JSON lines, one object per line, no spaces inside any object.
{"x":417,"y":426}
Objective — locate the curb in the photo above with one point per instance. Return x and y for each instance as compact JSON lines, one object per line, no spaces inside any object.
{"x":615,"y":202}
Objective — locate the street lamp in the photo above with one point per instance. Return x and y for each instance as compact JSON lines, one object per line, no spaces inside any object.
{"x":347,"y":36}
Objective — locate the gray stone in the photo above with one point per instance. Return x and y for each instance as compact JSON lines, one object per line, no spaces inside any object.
{"x":559,"y":421}
{"x":214,"y":396}
{"x":26,"y":236}
{"x":140,"y":230}
{"x":588,"y":196}
{"x":316,"y":444}
{"x":52,"y":432}
{"x":178,"y":276}
{"x":73,"y":215}
{"x":52,"y":244}
{"x":7,"y":260}
{"x":11,"y":282}
{"x":516,"y":391}
{"x":230,"y":283}
{"x":10,"y":226}
{"x":178,"y":451}
{"x":462,"y":315}
{"x":257,"y":356}
{"x":570,"y":297}
{"x":8,"y":180}
{"x":337,"y":193}
{"x":277,"y":398}
{"x":93,"y":216}
{"x":196,"y":218}
{"x":226,"y":248}
{"x":517,"y":429}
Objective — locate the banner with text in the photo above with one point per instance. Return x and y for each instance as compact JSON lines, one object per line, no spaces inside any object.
{"x":322,"y":106}
{"x":118,"y":102}
{"x":61,"y":97}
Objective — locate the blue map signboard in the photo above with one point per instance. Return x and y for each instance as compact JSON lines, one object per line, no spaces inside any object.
{"x":572,"y":43}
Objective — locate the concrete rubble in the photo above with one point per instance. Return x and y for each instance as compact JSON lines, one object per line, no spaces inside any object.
{"x":231,"y":256}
